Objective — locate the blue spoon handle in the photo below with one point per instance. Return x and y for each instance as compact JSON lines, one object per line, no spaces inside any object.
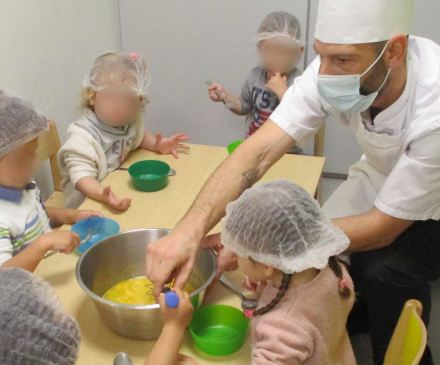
{"x":171,"y":299}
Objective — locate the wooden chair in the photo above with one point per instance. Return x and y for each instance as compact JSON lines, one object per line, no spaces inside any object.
{"x":409,"y":338}
{"x":48,"y":147}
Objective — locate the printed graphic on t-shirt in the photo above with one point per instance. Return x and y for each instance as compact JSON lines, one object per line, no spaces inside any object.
{"x":119,"y":151}
{"x":265,"y":102}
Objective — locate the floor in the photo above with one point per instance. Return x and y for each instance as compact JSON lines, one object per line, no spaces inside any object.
{"x":361,"y":344}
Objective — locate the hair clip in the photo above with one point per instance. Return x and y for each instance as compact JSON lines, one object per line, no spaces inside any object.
{"x":343,"y":284}
{"x":249,"y":313}
{"x":133,"y":55}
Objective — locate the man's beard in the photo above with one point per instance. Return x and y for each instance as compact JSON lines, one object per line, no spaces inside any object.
{"x":375,"y":80}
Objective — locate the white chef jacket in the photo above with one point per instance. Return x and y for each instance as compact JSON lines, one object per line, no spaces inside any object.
{"x":399,"y":172}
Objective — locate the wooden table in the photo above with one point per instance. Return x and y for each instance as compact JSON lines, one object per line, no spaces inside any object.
{"x":161,"y":209}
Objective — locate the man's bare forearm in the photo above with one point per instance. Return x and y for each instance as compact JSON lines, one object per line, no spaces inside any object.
{"x":372,"y":230}
{"x":239,"y":172}
{"x":226,"y":184}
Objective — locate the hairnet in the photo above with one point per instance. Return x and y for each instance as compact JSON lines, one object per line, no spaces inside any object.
{"x":34,"y":329}
{"x":119,"y":69}
{"x":279,"y":224}
{"x":20,"y":123}
{"x":280,"y":23}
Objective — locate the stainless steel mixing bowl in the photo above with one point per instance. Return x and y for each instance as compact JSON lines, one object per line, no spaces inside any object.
{"x":122,"y":257}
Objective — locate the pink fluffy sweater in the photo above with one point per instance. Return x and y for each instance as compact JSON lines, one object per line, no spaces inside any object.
{"x":307,"y":326}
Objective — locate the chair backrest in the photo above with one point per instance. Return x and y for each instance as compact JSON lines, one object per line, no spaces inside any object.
{"x":48,"y":147}
{"x":409,"y":338}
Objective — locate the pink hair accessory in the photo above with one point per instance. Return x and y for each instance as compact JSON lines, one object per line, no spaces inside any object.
{"x":249,"y":313}
{"x":343,"y":284}
{"x":133,"y":55}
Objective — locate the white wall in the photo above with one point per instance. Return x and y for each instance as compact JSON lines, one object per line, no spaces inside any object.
{"x":46,"y":48}
{"x":189,"y":42}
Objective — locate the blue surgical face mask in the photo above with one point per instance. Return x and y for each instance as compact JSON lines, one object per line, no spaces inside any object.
{"x":343,"y":91}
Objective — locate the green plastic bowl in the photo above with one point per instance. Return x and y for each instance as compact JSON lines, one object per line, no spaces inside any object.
{"x":233,"y":146}
{"x":219,"y":330}
{"x":149,"y":175}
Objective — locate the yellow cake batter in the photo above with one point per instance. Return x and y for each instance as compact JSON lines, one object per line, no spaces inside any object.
{"x":137,"y":291}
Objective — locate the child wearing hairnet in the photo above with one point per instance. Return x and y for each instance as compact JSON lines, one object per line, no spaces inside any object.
{"x":34,"y":328}
{"x":25,"y":223}
{"x":114,"y":98}
{"x":287,"y":248}
{"x":280,"y":48}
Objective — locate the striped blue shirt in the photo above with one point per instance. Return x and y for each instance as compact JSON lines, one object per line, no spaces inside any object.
{"x":23,"y":219}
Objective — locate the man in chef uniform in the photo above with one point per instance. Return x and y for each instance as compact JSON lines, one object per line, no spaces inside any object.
{"x":385,"y":86}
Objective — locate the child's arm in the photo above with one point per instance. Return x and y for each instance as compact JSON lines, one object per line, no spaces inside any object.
{"x":278,"y":85}
{"x":166,"y":349}
{"x":92,"y":188}
{"x":59,"y":216}
{"x":30,"y":257}
{"x":164,"y":146}
{"x":231,"y":98}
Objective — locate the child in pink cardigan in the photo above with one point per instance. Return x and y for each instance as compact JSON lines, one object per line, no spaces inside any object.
{"x":287,"y":248}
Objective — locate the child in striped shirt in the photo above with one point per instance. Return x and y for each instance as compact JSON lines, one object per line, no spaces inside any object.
{"x":25,"y":223}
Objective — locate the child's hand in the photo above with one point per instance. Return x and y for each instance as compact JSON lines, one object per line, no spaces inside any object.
{"x":80,"y":215}
{"x":278,"y":85}
{"x":63,"y":241}
{"x":186,"y":360}
{"x":252,"y":285}
{"x":179,"y":316}
{"x":170,"y":145}
{"x":213,"y":95}
{"x":109,"y":198}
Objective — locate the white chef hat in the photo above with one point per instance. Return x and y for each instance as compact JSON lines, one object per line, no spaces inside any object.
{"x":362,"y":21}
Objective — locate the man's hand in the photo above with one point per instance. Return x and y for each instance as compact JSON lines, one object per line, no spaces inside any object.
{"x":278,"y":85}
{"x":174,"y":252}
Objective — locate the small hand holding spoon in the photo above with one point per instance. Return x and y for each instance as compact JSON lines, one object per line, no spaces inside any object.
{"x":245,"y":302}
{"x":224,"y":100}
{"x":85,"y":240}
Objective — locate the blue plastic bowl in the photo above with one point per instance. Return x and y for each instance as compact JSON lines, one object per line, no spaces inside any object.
{"x":102,"y":228}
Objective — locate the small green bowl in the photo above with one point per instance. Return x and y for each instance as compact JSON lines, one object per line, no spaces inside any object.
{"x":149,"y":175}
{"x":219,"y":330}
{"x":233,"y":146}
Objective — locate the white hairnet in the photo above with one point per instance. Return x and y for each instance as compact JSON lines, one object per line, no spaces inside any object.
{"x":34,"y":329}
{"x":279,"y":224}
{"x":280,"y":23}
{"x":119,"y":69}
{"x":20,"y":123}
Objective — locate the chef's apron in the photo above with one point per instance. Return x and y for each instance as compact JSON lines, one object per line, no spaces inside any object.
{"x":365,"y":178}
